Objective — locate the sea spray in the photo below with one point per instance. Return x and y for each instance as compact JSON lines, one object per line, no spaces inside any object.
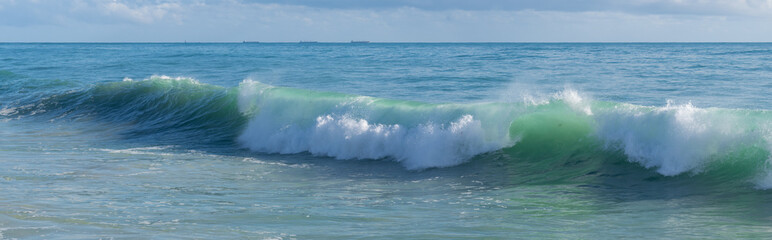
{"x":672,"y":140}
{"x":675,"y":138}
{"x":354,"y":127}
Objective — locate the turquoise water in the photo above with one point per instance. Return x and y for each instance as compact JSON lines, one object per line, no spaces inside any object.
{"x":330,"y":141}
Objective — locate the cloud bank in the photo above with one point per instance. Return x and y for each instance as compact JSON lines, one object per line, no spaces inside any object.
{"x":386,"y":20}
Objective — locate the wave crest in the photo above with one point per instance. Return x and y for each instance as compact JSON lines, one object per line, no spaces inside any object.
{"x":727,"y":144}
{"x":354,"y":127}
{"x":675,"y":138}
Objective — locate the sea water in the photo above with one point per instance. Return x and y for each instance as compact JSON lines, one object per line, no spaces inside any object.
{"x":385,"y":140}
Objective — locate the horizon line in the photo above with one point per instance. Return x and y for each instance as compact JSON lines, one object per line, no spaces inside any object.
{"x":368,"y":42}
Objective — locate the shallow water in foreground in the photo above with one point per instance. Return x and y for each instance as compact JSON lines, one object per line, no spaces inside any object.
{"x":453,"y":141}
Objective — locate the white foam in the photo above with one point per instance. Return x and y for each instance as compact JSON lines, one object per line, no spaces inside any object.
{"x":575,"y":100}
{"x":168,"y":78}
{"x":764,"y":180}
{"x":423,"y":146}
{"x":674,"y":139}
{"x":155,"y":150}
{"x":356,"y":128}
{"x":5,"y":111}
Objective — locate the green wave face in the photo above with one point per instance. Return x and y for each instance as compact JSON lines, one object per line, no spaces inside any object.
{"x":567,"y":136}
{"x":180,"y":108}
{"x":672,"y":140}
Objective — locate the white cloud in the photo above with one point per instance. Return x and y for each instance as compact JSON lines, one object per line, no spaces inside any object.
{"x":141,"y":14}
{"x":702,"y":7}
{"x":699,"y":7}
{"x":652,"y":20}
{"x":56,"y":12}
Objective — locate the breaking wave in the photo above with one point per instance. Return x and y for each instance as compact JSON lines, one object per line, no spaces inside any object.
{"x":672,"y":140}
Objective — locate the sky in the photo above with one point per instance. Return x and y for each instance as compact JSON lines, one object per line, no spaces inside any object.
{"x":386,"y":20}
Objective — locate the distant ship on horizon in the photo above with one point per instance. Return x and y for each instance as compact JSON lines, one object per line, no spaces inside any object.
{"x":250,"y":42}
{"x":353,"y":41}
{"x":309,"y":42}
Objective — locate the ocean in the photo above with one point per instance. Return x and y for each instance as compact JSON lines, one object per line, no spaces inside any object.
{"x":385,"y":140}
